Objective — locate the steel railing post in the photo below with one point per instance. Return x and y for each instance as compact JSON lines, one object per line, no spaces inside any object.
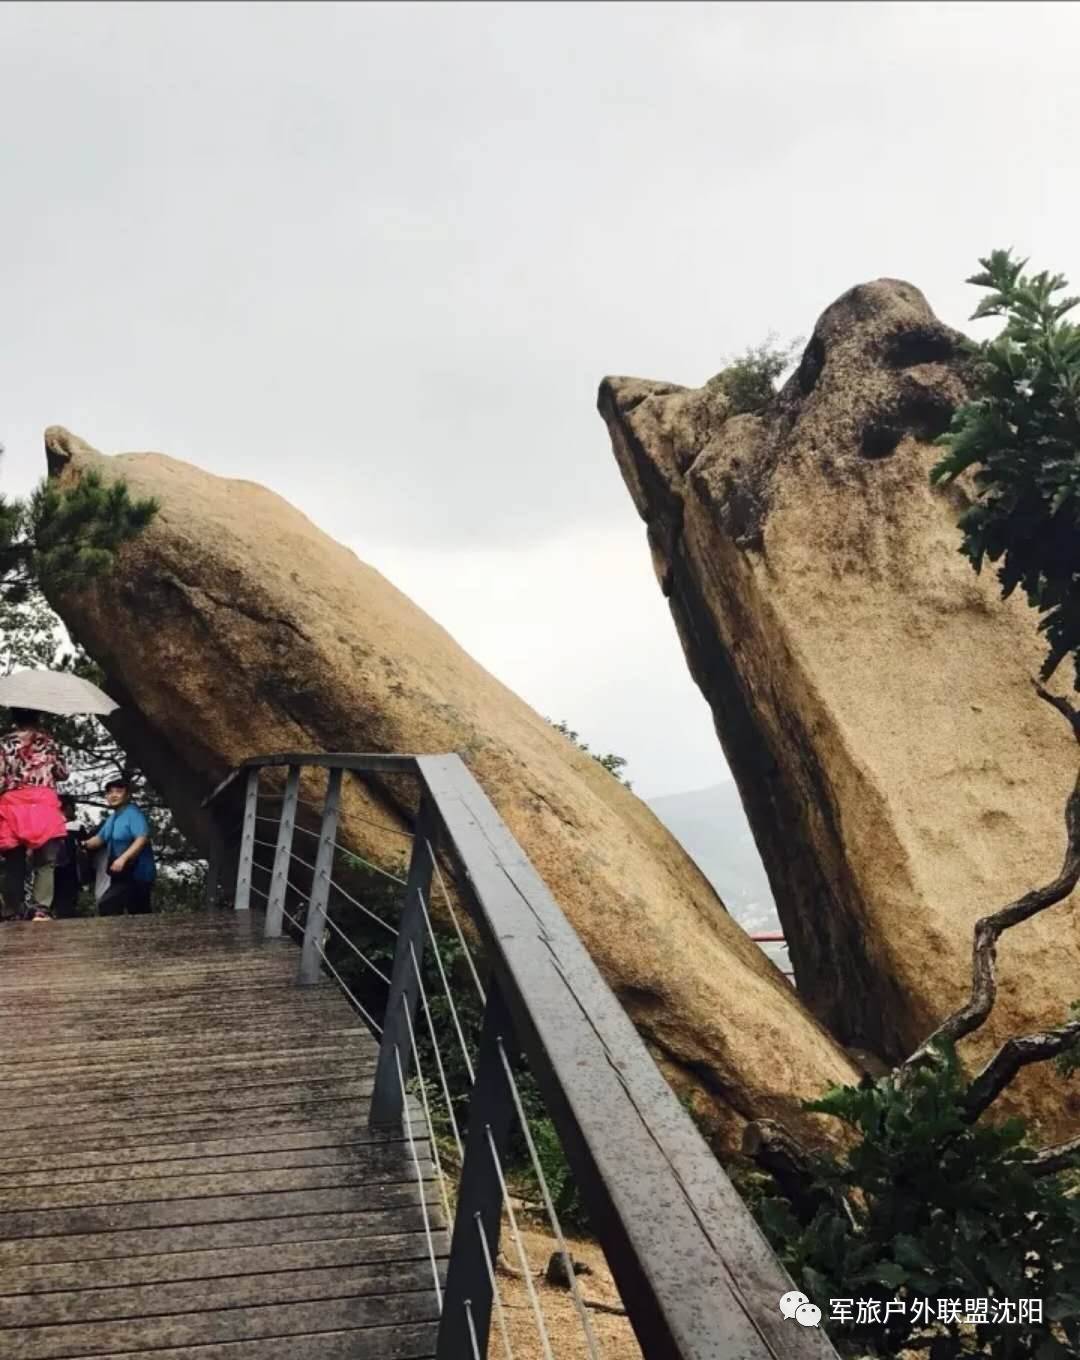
{"x":386,"y":1100}
{"x":242,"y":901}
{"x":279,"y":880}
{"x":479,"y":1205}
{"x":215,"y":864}
{"x":315,"y":925}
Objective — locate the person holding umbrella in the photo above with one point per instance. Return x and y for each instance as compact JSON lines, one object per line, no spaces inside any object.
{"x":31,"y":766}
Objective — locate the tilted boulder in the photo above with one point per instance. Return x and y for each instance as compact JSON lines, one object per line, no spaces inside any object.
{"x":872,"y":694}
{"x":233,"y":627}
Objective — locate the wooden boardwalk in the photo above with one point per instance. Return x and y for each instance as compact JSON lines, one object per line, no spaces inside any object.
{"x":185,"y":1167}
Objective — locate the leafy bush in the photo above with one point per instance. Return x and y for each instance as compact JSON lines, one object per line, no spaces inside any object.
{"x":928,"y":1205}
{"x":1021,"y":437}
{"x":749,"y":380}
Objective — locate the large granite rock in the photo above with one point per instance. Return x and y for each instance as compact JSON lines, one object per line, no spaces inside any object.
{"x":872,"y":694}
{"x":233,"y":626}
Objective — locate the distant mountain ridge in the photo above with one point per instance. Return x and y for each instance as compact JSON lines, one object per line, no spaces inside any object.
{"x":711,"y":826}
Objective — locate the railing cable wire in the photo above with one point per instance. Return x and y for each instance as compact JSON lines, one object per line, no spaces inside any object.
{"x":549,"y":1205}
{"x":457,"y":925}
{"x":446,"y":987}
{"x":347,"y":896}
{"x":354,"y":816}
{"x":526,"y":1269}
{"x":419,"y":1178}
{"x":438,"y":1055}
{"x":496,"y":1297}
{"x":474,"y":1342}
{"x":436,"y":1160}
{"x":394,"y":878}
{"x":345,"y":988}
{"x":359,"y":954}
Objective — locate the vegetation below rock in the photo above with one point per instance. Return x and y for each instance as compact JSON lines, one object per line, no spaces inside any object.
{"x":930,"y":1207}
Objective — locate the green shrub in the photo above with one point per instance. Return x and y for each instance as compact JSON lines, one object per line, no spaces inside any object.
{"x":749,"y":380}
{"x":928,"y":1205}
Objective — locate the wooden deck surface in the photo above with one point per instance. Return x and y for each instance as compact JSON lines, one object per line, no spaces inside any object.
{"x":185,"y":1167}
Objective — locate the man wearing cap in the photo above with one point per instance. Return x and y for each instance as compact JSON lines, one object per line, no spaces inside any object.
{"x":125,"y":837}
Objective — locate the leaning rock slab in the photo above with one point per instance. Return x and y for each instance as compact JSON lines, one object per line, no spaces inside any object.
{"x":233,"y":626}
{"x":872,"y":695}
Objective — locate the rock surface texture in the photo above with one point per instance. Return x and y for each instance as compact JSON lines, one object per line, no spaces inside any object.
{"x":233,"y":627}
{"x":872,"y":694}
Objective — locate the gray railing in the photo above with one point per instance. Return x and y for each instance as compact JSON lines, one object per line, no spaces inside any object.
{"x":697,"y":1277}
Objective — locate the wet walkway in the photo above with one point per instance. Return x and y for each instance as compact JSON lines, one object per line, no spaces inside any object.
{"x":186,"y":1169}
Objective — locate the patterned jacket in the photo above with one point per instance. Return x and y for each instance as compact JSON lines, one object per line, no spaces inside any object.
{"x":30,"y":759}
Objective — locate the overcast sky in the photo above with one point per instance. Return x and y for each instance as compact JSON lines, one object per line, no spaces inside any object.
{"x":378,"y":258}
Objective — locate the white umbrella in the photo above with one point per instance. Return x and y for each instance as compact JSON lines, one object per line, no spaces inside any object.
{"x":53,"y":692}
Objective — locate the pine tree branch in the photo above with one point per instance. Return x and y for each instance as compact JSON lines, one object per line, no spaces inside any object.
{"x":973,"y":1013}
{"x":1013,"y":1055}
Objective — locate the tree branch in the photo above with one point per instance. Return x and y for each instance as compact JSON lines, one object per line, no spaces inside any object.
{"x":1070,"y":714}
{"x":778,"y":1152}
{"x":988,"y":930}
{"x":1013,"y":1055}
{"x":1060,"y":1157}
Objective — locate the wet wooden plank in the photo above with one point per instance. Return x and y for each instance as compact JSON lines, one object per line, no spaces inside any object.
{"x":409,"y":1342}
{"x":96,"y":1065}
{"x":77,"y":1092}
{"x":231,"y":1324}
{"x":121,"y":1132}
{"x":352,"y":1249}
{"x":135,"y":1154}
{"x":115,"y":1048}
{"x":209,"y":1294}
{"x":393,"y":1166}
{"x":34,"y":1112}
{"x":114,"y":1245}
{"x":373,"y":1157}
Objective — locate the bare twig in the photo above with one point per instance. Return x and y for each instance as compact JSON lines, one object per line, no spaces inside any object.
{"x":988,"y":930}
{"x":599,"y":1307}
{"x":1011,"y":1057}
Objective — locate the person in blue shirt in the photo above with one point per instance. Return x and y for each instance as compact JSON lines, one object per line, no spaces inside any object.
{"x":125,"y":837}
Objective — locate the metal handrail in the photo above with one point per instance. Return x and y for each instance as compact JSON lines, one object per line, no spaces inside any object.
{"x":698,"y":1278}
{"x":773,"y":937}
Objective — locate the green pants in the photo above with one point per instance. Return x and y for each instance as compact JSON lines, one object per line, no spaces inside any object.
{"x":43,"y":862}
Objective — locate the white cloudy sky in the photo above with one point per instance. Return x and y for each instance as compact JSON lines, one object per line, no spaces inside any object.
{"x":379,"y":256}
